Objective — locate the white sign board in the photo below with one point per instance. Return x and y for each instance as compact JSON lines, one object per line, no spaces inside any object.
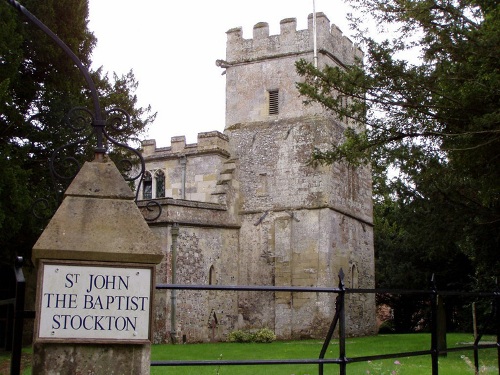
{"x":80,"y":302}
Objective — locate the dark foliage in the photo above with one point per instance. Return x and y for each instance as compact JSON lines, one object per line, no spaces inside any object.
{"x":431,"y":123}
{"x":39,"y":85}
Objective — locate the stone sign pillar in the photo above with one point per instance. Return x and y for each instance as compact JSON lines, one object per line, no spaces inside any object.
{"x":96,"y":262}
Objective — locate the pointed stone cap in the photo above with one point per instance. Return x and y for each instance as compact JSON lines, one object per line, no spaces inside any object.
{"x":98,"y":220}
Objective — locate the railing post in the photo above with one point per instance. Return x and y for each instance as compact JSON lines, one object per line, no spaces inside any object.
{"x":329,"y":335}
{"x":434,"y":328}
{"x":17,"y":342}
{"x":476,"y":355}
{"x":496,"y":306}
{"x":9,"y":327}
{"x":342,"y":351}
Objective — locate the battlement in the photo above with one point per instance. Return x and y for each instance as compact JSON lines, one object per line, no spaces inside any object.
{"x":208,"y":142}
{"x":330,"y":40}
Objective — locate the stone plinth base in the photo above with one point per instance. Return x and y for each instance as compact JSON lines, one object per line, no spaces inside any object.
{"x":106,"y":359}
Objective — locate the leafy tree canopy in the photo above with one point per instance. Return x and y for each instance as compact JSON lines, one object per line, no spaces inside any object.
{"x":39,"y":84}
{"x":428,"y":94}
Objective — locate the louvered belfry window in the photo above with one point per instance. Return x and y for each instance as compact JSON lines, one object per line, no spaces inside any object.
{"x":273,"y":102}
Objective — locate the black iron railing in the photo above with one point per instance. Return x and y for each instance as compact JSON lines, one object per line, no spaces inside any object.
{"x":339,"y":322}
{"x":15,"y":319}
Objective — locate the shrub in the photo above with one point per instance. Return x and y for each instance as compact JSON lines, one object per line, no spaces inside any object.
{"x":240,"y":336}
{"x":262,"y":335}
{"x":386,"y":327}
{"x":265,"y":335}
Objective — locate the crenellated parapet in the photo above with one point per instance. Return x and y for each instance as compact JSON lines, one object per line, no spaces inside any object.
{"x":212,"y":142}
{"x":291,"y":41}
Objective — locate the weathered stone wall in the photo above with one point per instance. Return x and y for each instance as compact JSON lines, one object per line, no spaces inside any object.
{"x":306,"y":249}
{"x":294,"y":214}
{"x":203,"y":256}
{"x":275,"y":172}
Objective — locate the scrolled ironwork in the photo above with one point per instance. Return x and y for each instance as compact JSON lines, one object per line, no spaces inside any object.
{"x":64,"y":166}
{"x":79,"y":119}
{"x":118,"y":121}
{"x":116,"y":118}
{"x":126,"y":166}
{"x":42,"y":208}
{"x":152,"y":206}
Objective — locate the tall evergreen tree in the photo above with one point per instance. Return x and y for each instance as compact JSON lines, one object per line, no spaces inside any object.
{"x":39,"y":85}
{"x":434,"y":122}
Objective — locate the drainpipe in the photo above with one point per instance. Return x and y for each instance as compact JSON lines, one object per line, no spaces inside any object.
{"x":183,"y":176}
{"x":173,"y":293}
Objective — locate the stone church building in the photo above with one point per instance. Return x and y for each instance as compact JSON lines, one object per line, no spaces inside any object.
{"x":244,"y":207}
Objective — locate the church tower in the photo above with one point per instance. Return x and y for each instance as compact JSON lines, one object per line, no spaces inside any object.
{"x":300,"y":224}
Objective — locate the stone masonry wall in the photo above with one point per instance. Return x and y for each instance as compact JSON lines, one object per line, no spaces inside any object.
{"x":307,"y":249}
{"x":275,"y":173}
{"x":300,"y":225}
{"x":291,"y":210}
{"x":204,"y":255}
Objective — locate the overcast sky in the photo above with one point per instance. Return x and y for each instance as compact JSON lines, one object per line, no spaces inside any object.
{"x":172,"y":46}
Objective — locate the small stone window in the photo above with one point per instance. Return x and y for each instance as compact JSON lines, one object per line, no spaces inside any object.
{"x":211,"y":276}
{"x":273,"y":102}
{"x":160,"y":184}
{"x":354,"y":277}
{"x":147,"y":187}
{"x":262,"y":187}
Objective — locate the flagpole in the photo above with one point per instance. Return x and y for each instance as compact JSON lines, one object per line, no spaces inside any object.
{"x":315,"y":47}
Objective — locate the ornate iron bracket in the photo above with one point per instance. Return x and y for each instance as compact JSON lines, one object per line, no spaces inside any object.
{"x":90,"y":123}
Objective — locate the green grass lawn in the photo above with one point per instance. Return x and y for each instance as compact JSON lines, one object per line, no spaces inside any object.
{"x":452,"y":364}
{"x":456,"y":363}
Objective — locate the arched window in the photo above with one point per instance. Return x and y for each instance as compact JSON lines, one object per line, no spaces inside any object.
{"x":160,"y":184}
{"x":147,"y":187}
{"x":211,"y":276}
